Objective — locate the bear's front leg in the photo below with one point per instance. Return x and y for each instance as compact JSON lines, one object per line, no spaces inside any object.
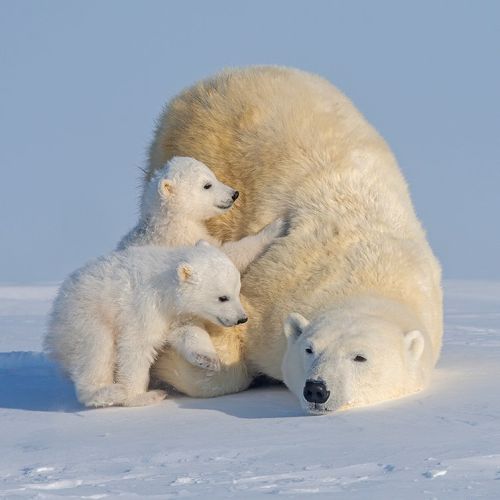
{"x":194,"y":344}
{"x":243,"y":252}
{"x":135,"y":354}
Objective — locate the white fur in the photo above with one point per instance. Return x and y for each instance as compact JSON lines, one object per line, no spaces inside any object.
{"x":174,"y":208}
{"x":365,"y":350}
{"x":354,"y":252}
{"x":175,"y":205}
{"x":111,"y":316}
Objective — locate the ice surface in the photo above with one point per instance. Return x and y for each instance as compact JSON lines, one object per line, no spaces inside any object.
{"x":442,"y":443}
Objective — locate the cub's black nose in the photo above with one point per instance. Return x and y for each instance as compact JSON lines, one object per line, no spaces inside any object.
{"x":235,"y":195}
{"x":242,"y":320}
{"x":315,"y":391}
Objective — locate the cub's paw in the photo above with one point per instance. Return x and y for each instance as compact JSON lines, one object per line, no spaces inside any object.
{"x":146,"y":398}
{"x":275,"y":229}
{"x":204,"y":359}
{"x":109,"y":395}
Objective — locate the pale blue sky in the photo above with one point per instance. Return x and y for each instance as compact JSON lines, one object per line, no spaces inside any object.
{"x":82,"y":82}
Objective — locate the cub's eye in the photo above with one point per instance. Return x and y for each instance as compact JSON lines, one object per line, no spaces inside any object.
{"x":224,"y":298}
{"x":360,"y":359}
{"x":309,"y":350}
{"x":208,"y":185}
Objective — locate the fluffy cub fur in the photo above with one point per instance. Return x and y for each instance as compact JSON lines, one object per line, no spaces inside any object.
{"x":175,"y":205}
{"x":112,"y":316}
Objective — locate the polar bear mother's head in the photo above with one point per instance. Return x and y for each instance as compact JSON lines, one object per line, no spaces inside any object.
{"x":352,"y":357}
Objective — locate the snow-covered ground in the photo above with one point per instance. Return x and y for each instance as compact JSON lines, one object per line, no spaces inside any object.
{"x":443,"y":443}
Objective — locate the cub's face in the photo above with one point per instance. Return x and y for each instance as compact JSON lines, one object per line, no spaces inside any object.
{"x":209,"y":287}
{"x":194,"y":190}
{"x":331,"y":365}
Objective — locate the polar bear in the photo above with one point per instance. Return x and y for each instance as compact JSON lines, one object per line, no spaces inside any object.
{"x":355,"y":261}
{"x":111,"y":316}
{"x":362,"y":351}
{"x":175,"y":204}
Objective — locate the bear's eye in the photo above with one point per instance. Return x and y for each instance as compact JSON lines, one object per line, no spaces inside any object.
{"x":224,"y":298}
{"x":309,"y":350}
{"x":208,"y":185}
{"x":360,"y":359}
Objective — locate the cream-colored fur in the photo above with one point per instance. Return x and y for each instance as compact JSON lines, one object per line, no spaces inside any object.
{"x":175,"y":205}
{"x":292,"y":144}
{"x":363,"y":350}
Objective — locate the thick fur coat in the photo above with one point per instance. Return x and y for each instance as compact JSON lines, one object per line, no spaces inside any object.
{"x":114,"y":314}
{"x":296,"y":147}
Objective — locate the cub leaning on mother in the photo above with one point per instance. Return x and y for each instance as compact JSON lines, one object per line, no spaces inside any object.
{"x":355,"y":266}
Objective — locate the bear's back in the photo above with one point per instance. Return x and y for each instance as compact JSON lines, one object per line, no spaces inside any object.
{"x":294,"y":145}
{"x":264,"y":130}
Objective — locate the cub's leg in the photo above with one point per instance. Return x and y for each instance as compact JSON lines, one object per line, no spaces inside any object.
{"x":136,"y":351}
{"x":92,"y":366}
{"x":107,"y":395}
{"x":194,"y":344}
{"x":243,"y":252}
{"x":233,"y":375}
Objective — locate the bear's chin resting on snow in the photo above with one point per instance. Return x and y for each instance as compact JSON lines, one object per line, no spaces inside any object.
{"x":363,"y":351}
{"x":355,"y":260}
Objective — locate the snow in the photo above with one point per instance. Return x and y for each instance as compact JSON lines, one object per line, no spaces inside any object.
{"x":441,"y":443}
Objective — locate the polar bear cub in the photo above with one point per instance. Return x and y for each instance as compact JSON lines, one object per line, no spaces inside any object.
{"x":175,"y":205}
{"x":111,"y":316}
{"x":178,"y":201}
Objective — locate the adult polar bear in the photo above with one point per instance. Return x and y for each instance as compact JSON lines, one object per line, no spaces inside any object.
{"x":355,"y":260}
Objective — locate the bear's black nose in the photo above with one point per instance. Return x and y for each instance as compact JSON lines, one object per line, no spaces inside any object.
{"x":242,"y":320}
{"x":235,"y":195}
{"x":315,"y":391}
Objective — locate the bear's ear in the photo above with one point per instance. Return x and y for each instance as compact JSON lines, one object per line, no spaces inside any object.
{"x":165,"y":187}
{"x":294,"y":326}
{"x":415,"y":343}
{"x":185,"y":272}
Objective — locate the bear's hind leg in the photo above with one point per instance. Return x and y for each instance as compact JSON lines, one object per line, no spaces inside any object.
{"x":108,"y":395}
{"x":136,"y":351}
{"x":93,"y":367}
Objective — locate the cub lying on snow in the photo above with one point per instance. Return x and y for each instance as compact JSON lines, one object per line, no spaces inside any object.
{"x":111,"y":316}
{"x":175,"y":204}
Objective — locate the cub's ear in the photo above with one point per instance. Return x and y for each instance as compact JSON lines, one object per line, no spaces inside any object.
{"x":185,"y":272}
{"x":294,"y":326}
{"x":165,"y":187}
{"x":202,"y":243}
{"x":414,"y":343}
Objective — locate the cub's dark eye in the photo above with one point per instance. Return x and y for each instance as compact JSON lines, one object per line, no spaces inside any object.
{"x":360,"y":359}
{"x":208,"y":185}
{"x":224,"y":298}
{"x":309,"y":350}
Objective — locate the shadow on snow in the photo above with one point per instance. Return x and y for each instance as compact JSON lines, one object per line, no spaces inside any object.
{"x":29,"y":381}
